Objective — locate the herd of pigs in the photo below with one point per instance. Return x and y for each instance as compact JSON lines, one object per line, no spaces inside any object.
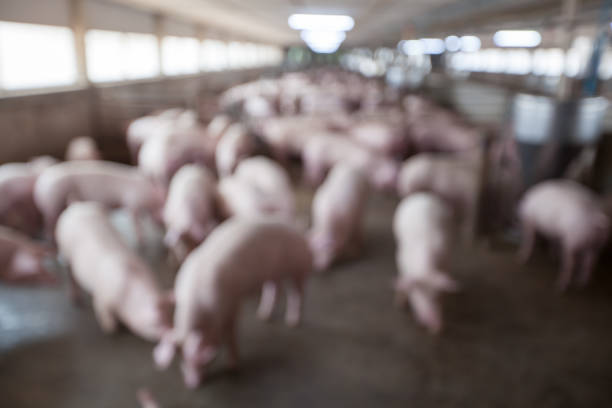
{"x":224,"y":193}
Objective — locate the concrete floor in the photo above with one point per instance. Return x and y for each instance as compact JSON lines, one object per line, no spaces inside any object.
{"x":509,"y":341}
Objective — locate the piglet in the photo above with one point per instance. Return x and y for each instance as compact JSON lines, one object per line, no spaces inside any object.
{"x":21,"y":259}
{"x":423,"y":226}
{"x":235,"y":145}
{"x":240,"y":257}
{"x":565,"y":211}
{"x":189,"y":212}
{"x":337,"y":215}
{"x":111,"y":184}
{"x":121,"y":284}
{"x":83,"y":148}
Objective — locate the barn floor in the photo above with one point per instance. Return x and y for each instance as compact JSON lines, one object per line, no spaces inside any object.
{"x":509,"y":341}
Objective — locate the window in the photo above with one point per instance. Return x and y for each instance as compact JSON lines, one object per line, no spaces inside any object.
{"x":116,"y":56}
{"x":180,"y":55}
{"x":213,"y":55}
{"x":34,"y":56}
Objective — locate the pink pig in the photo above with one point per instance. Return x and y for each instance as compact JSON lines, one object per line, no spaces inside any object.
{"x":380,"y":137}
{"x":111,"y":184}
{"x":190,"y":208}
{"x":120,"y":283}
{"x":239,"y":258}
{"x":83,"y":148}
{"x":453,"y":178}
{"x":337,"y":215}
{"x":271,"y":181}
{"x":324,"y":150}
{"x":21,"y":259}
{"x":235,"y":145}
{"x":17,"y":208}
{"x":160,"y":157}
{"x":423,"y":226}
{"x":567,"y":212}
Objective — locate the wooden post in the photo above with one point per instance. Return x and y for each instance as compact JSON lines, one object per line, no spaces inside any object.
{"x":568,"y":22}
{"x":159,"y":34}
{"x":77,"y":23}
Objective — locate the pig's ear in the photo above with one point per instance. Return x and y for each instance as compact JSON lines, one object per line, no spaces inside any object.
{"x":163,"y":354}
{"x":442,"y":282}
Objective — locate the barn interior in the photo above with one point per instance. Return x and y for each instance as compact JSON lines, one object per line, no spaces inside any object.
{"x":517,"y":92}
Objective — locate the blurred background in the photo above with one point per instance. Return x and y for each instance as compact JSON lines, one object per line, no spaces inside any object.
{"x":516,"y":91}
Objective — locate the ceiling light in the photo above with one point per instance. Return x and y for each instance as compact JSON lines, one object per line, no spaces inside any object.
{"x":517,"y":38}
{"x":453,"y":43}
{"x":470,"y":43}
{"x":433,"y":45}
{"x":325,"y":42}
{"x":413,"y":47}
{"x":324,"y":22}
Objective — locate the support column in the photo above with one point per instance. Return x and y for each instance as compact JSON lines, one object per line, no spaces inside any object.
{"x":77,"y":23}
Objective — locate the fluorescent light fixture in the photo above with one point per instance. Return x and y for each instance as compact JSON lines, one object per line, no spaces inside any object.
{"x":324,"y":42}
{"x":433,"y":45}
{"x":413,"y":47}
{"x":323,"y":22}
{"x":517,"y":38}
{"x":452,"y":43}
{"x":470,"y":43}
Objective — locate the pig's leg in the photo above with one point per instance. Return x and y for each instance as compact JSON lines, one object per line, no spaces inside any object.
{"x":527,"y":242}
{"x":567,"y":267}
{"x":294,"y":301}
{"x":268,"y":298}
{"x":75,"y":291}
{"x":232,"y":343}
{"x":588,"y":262}
{"x":105,"y":315}
{"x":137,"y":226}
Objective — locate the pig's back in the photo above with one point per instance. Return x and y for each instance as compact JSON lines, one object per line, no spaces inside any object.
{"x":558,"y":206}
{"x":421,"y":215}
{"x":241,"y":254}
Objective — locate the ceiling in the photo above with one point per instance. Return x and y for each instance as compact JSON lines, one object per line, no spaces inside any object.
{"x":377,"y":22}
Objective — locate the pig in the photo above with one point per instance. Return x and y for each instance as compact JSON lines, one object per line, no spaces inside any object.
{"x":337,"y":215}
{"x":83,"y":148}
{"x":565,"y":211}
{"x":162,"y":156}
{"x":380,"y":137}
{"x":240,"y":257}
{"x":189,"y":212}
{"x":423,"y":228}
{"x":21,"y":259}
{"x":217,"y":127}
{"x":324,"y":150}
{"x":272,"y":181}
{"x":111,"y":184}
{"x":240,"y":198}
{"x":144,"y":128}
{"x":235,"y":145}
{"x":455,"y":179}
{"x":120,"y":282}
{"x":17,"y":207}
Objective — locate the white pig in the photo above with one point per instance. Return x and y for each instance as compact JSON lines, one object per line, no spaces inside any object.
{"x":111,"y":184}
{"x":190,"y":208}
{"x":235,"y":145}
{"x":453,"y":178}
{"x":337,"y":215}
{"x":272,"y":182}
{"x":565,"y":211}
{"x":422,"y":226}
{"x":121,"y":284}
{"x":83,"y":148}
{"x":240,"y":257}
